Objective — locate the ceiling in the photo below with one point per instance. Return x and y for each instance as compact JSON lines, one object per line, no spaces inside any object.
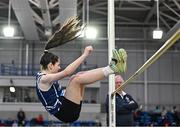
{"x":38,"y":19}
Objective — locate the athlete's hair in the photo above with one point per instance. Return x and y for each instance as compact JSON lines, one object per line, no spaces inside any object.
{"x":47,"y":58}
{"x":68,"y":32}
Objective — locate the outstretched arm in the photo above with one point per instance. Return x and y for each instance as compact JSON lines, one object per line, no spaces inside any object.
{"x":71,"y":68}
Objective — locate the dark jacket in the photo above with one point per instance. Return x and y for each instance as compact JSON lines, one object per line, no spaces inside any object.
{"x":124,"y":108}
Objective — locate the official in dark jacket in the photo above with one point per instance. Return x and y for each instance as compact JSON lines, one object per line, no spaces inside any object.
{"x":125,"y":105}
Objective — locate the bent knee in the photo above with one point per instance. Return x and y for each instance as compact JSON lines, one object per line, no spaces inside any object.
{"x":76,"y":78}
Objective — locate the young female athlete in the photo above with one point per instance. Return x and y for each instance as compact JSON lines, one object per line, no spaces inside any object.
{"x":65,"y":104}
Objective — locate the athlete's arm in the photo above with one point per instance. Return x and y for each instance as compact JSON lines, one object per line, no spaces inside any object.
{"x":71,"y":68}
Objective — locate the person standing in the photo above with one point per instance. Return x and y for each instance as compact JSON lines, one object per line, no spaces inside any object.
{"x":21,"y":117}
{"x":125,"y":105}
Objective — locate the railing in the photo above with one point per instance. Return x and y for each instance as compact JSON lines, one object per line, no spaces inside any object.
{"x":14,"y":70}
{"x":7,"y":69}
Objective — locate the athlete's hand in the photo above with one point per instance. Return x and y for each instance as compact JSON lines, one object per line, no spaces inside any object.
{"x":88,"y":50}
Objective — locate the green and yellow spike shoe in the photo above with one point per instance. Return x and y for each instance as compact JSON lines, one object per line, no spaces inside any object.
{"x":113,"y":65}
{"x":121,"y":57}
{"x":123,"y":63}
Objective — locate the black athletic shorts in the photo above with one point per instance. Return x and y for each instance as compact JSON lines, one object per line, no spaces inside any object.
{"x":69,"y":111}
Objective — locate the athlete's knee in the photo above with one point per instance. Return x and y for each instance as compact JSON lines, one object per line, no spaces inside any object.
{"x":77,"y":77}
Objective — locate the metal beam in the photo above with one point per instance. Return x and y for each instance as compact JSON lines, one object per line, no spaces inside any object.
{"x":23,"y":13}
{"x":120,"y":3}
{"x":122,"y":9}
{"x":150,"y":13}
{"x":153,"y":10}
{"x":46,"y":16}
{"x":168,"y":16}
{"x":37,"y":18}
{"x":171,"y":9}
{"x":124,"y":23}
{"x":56,"y":21}
{"x":3,"y":4}
{"x":139,"y":4}
{"x":53,"y":3}
{"x":165,"y":23}
{"x":12,"y":38}
{"x":100,"y":4}
{"x":176,"y":3}
{"x":35,"y":2}
{"x":171,"y":32}
{"x":3,"y":20}
{"x":120,"y":17}
{"x":40,"y":31}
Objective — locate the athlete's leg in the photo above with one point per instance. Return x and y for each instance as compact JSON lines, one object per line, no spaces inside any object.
{"x":75,"y":88}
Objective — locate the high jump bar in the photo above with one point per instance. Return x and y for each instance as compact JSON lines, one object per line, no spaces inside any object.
{"x":157,"y":54}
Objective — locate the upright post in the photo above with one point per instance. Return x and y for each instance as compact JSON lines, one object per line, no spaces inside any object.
{"x":111,"y":45}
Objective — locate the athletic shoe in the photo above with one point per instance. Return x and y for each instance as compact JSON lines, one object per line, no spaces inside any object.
{"x":118,"y":63}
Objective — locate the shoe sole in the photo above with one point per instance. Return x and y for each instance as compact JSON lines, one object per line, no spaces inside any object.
{"x":121,"y":57}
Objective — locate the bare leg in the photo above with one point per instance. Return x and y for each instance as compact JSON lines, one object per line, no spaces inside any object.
{"x":91,"y":76}
{"x":75,"y":88}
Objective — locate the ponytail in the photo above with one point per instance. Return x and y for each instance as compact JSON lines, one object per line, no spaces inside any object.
{"x":68,"y":32}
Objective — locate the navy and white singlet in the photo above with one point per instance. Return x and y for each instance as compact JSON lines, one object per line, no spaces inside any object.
{"x":50,"y":98}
